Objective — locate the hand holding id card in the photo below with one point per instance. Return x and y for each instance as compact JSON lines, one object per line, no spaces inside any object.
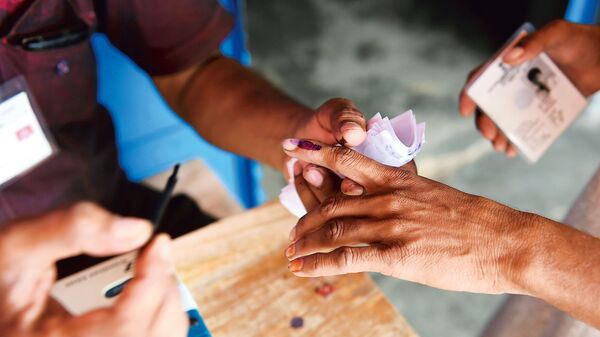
{"x":532,"y":103}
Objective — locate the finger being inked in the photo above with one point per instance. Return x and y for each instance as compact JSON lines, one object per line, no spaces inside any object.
{"x":344,"y":161}
{"x":292,"y":144}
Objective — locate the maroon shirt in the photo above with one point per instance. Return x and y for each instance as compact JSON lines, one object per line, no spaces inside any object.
{"x":161,"y":36}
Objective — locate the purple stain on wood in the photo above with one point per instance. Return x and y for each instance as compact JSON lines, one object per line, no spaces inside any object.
{"x":308,"y":145}
{"x":297,"y":322}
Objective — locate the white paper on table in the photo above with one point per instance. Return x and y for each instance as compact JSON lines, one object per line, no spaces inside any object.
{"x":392,"y":142}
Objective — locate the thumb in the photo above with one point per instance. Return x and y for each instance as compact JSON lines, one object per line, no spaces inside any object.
{"x":347,"y":122}
{"x":532,"y":45}
{"x":84,"y":228}
{"x":154,"y":275}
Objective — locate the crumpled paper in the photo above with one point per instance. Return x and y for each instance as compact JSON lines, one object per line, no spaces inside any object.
{"x":392,"y":142}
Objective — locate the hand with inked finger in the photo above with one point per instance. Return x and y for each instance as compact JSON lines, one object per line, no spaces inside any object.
{"x":150,"y":304}
{"x":397,"y":214}
{"x":413,"y":228}
{"x":314,"y":183}
{"x":337,"y":121}
{"x":574,"y":48}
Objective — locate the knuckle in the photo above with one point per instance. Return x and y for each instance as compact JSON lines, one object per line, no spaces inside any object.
{"x":398,"y":228}
{"x":330,"y":206}
{"x":392,"y":176}
{"x":395,"y":201}
{"x":396,"y":195}
{"x":301,"y":224}
{"x":347,"y":257}
{"x":83,"y":209}
{"x":317,"y":262}
{"x":391,"y":257}
{"x":344,"y":157}
{"x":349,"y":111}
{"x":81,"y":215}
{"x":405,"y":175}
{"x":335,"y":230}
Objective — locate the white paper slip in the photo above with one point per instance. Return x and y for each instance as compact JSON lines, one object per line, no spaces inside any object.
{"x":24,"y":143}
{"x":532,"y":104}
{"x":392,"y":142}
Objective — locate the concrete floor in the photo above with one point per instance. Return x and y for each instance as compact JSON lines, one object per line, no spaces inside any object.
{"x":390,"y":56}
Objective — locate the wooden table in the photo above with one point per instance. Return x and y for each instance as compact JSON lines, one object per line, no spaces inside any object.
{"x":237,"y":272}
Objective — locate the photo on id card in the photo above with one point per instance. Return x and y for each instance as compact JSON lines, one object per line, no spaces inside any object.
{"x":25,"y":141}
{"x":533,"y":104}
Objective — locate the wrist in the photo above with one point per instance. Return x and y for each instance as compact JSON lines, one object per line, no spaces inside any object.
{"x":535,"y":255}
{"x":517,"y":265}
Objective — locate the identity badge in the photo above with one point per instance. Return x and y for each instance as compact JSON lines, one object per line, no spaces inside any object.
{"x":533,"y":104}
{"x":99,"y":286}
{"x":24,"y":140}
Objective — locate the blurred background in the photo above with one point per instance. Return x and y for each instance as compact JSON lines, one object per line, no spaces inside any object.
{"x":390,"y":56}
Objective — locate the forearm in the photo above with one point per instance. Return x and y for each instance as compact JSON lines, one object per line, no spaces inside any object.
{"x":563,"y":269}
{"x":235,"y":109}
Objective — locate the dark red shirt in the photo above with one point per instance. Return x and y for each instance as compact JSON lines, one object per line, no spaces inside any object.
{"x":161,"y":36}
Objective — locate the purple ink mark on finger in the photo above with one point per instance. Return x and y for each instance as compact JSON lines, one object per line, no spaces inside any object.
{"x":308,"y":145}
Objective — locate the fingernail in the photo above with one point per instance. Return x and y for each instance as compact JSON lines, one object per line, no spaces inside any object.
{"x":514,"y":54}
{"x":355,"y":191}
{"x":129,"y":229}
{"x":291,"y":250}
{"x":162,"y":246}
{"x":353,"y":133}
{"x":308,"y":145}
{"x":297,"y":169}
{"x":296,"y":265}
{"x":293,"y":234}
{"x":314,"y":177}
{"x":290,"y":144}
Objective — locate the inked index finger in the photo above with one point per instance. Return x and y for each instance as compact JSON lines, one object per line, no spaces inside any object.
{"x":370,"y":174}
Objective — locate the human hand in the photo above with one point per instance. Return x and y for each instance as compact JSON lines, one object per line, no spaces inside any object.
{"x":573,"y":47}
{"x":337,"y":121}
{"x":408,"y":227}
{"x":149,"y":305}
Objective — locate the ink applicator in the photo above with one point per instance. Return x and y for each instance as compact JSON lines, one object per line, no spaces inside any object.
{"x":164,"y":200}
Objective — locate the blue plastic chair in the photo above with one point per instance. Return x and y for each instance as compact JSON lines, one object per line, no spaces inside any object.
{"x":582,"y":11}
{"x":151,"y":138}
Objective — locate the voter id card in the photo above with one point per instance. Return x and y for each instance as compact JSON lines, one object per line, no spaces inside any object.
{"x":24,"y":140}
{"x":532,"y":104}
{"x":100,"y":285}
